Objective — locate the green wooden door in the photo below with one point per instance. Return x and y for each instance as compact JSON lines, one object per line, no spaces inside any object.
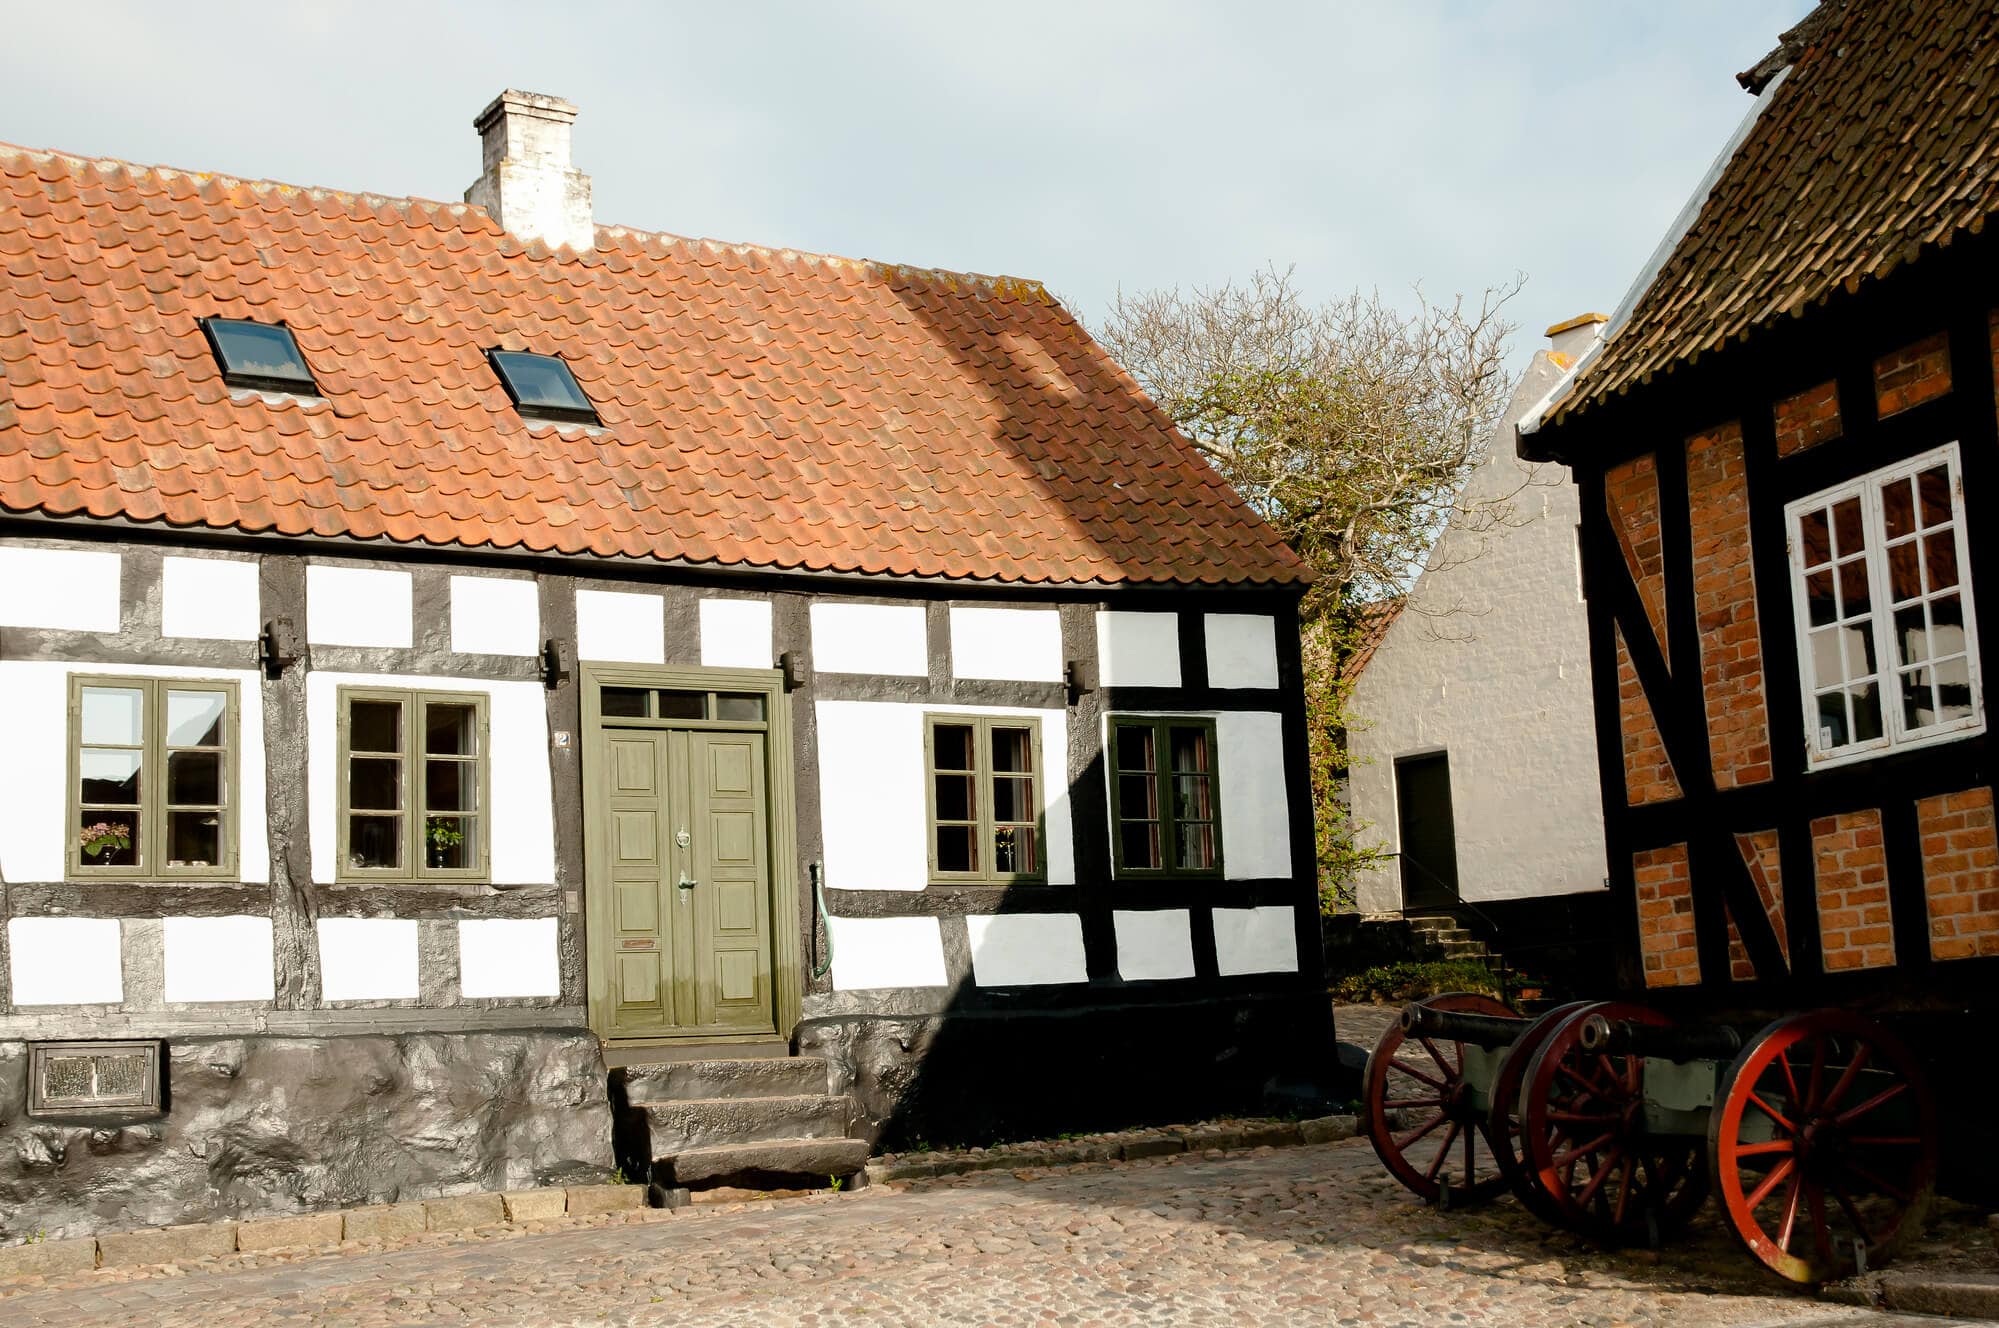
{"x":681,"y":945}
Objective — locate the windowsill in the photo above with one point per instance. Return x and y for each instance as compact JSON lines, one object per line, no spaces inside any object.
{"x":1882,"y":751}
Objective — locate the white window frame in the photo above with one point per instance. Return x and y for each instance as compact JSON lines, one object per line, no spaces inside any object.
{"x":1895,"y":735}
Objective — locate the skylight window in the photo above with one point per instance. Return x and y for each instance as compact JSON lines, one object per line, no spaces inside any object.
{"x":261,"y":356}
{"x":542,"y":387}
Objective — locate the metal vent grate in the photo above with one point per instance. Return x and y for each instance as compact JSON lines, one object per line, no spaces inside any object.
{"x":93,"y":1078}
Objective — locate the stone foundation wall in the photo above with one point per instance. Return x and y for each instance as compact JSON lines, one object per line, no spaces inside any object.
{"x":255,"y":1126}
{"x":965,"y":1078}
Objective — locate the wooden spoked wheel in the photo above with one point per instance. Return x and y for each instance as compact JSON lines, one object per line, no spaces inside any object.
{"x":1584,"y":1138}
{"x":1425,"y":1122}
{"x":1824,"y":1144}
{"x":1503,"y":1119}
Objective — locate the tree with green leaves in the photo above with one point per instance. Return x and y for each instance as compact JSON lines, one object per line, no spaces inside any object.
{"x":1352,"y":427}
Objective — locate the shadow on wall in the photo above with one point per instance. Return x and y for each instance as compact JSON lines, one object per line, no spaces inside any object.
{"x":1103,"y":1003}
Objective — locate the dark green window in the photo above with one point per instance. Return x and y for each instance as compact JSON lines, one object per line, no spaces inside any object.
{"x":985,"y":800}
{"x":1165,"y":802}
{"x":152,"y":781}
{"x":413,"y":785}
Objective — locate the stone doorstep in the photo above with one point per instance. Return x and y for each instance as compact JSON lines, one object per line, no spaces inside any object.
{"x":1282,"y":1134}
{"x":1954,"y":1295}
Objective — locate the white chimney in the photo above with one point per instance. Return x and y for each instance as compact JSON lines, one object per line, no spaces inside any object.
{"x":528,"y":185}
{"x":1571,"y":340}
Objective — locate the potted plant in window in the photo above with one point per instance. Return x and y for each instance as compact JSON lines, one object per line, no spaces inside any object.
{"x":440,"y":837}
{"x":105,"y":840}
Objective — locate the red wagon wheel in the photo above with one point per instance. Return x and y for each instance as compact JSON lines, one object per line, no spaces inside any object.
{"x":1503,"y":1119}
{"x":1583,"y":1137}
{"x":1824,"y":1142}
{"x":1423,"y":1118}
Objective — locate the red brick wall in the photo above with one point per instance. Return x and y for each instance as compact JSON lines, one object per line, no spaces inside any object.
{"x":1666,"y":917}
{"x":1808,"y":419}
{"x":1648,"y":771}
{"x":1760,"y":855}
{"x":1961,"y":873}
{"x":1912,"y":375}
{"x":1855,"y":930}
{"x":1631,"y":499}
{"x":1725,"y":600}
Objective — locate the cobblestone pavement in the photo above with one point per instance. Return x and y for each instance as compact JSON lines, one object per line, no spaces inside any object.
{"x":1274,"y":1237}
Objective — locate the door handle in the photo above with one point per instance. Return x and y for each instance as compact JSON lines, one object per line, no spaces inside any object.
{"x":685,"y":884}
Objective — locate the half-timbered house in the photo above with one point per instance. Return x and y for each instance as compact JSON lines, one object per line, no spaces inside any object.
{"x":460,"y":654}
{"x":1782,"y":448}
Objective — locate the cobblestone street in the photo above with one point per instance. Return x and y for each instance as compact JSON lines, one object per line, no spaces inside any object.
{"x":1276,"y":1237}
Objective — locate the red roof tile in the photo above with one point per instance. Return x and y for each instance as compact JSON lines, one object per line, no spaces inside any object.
{"x":1370,"y":628}
{"x":1881,"y":143}
{"x":761,"y":408}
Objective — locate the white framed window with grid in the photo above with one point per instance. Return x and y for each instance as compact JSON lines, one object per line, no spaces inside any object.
{"x":1887,"y":634}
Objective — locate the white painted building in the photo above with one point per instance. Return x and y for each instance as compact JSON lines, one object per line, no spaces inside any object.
{"x":1481,"y":687}
{"x":545,"y":635}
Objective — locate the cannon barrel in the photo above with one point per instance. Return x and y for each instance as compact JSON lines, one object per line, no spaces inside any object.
{"x":1673,"y":1042}
{"x":1481,"y":1030}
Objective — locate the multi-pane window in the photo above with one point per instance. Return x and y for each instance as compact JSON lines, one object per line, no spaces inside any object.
{"x":152,"y":777}
{"x":1885,"y":616}
{"x":985,"y":799}
{"x":1164,"y":800}
{"x":412,"y":785}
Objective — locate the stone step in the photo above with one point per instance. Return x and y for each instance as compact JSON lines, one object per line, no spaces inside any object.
{"x":680,"y":1081}
{"x":772,"y":1164}
{"x":1431,"y":922}
{"x":676,"y":1127}
{"x":1465,"y":949}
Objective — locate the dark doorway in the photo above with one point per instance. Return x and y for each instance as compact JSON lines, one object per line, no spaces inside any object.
{"x":1429,"y":842}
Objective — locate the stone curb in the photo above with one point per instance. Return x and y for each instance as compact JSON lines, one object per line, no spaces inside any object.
{"x":1952,"y":1295}
{"x":1276,"y":1134}
{"x":163,"y":1245}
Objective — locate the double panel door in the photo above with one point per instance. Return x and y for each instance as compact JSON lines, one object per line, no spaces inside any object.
{"x":684,"y":944}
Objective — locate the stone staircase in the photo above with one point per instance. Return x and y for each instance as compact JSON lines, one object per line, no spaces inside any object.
{"x":1440,"y":934}
{"x":765,"y":1123}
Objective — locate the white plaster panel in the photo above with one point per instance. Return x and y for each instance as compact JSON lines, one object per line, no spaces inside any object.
{"x":34,"y":777}
{"x":1256,"y":818}
{"x":1491,"y":665}
{"x":522,"y":793}
{"x":873,"y":806}
{"x":1242,"y":650}
{"x":219,"y":959}
{"x":367,"y":959}
{"x":357,"y":606}
{"x":877,"y":953}
{"x":1256,"y":940}
{"x":492,"y":615}
{"x":1154,"y":943}
{"x":70,"y":589}
{"x":1138,"y":649}
{"x":65,"y":961}
{"x":1026,"y":949}
{"x":508,"y":957}
{"x":618,"y":626}
{"x":870,"y":638}
{"x":1015,"y":645}
{"x":735,"y":634}
{"x":211,"y":599}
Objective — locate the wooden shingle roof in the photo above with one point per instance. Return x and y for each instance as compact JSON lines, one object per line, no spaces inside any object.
{"x":1881,"y":142}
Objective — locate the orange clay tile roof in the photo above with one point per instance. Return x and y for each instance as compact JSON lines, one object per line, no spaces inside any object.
{"x":1882,"y":142}
{"x":1370,"y":628}
{"x":761,"y":408}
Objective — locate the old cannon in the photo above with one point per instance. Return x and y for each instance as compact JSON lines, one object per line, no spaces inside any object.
{"x":1817,"y":1133}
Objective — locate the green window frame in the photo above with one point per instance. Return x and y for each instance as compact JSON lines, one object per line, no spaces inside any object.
{"x":985,"y":790}
{"x":414,"y":782}
{"x":152,"y":778}
{"x":1166,"y":814}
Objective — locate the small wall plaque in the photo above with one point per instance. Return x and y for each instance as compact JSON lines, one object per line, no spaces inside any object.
{"x":94,"y":1079}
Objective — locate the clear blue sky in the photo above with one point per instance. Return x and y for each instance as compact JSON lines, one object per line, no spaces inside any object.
{"x":1091,"y":145}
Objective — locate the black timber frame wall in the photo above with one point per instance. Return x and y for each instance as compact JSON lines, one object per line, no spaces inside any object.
{"x":1953,"y":291}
